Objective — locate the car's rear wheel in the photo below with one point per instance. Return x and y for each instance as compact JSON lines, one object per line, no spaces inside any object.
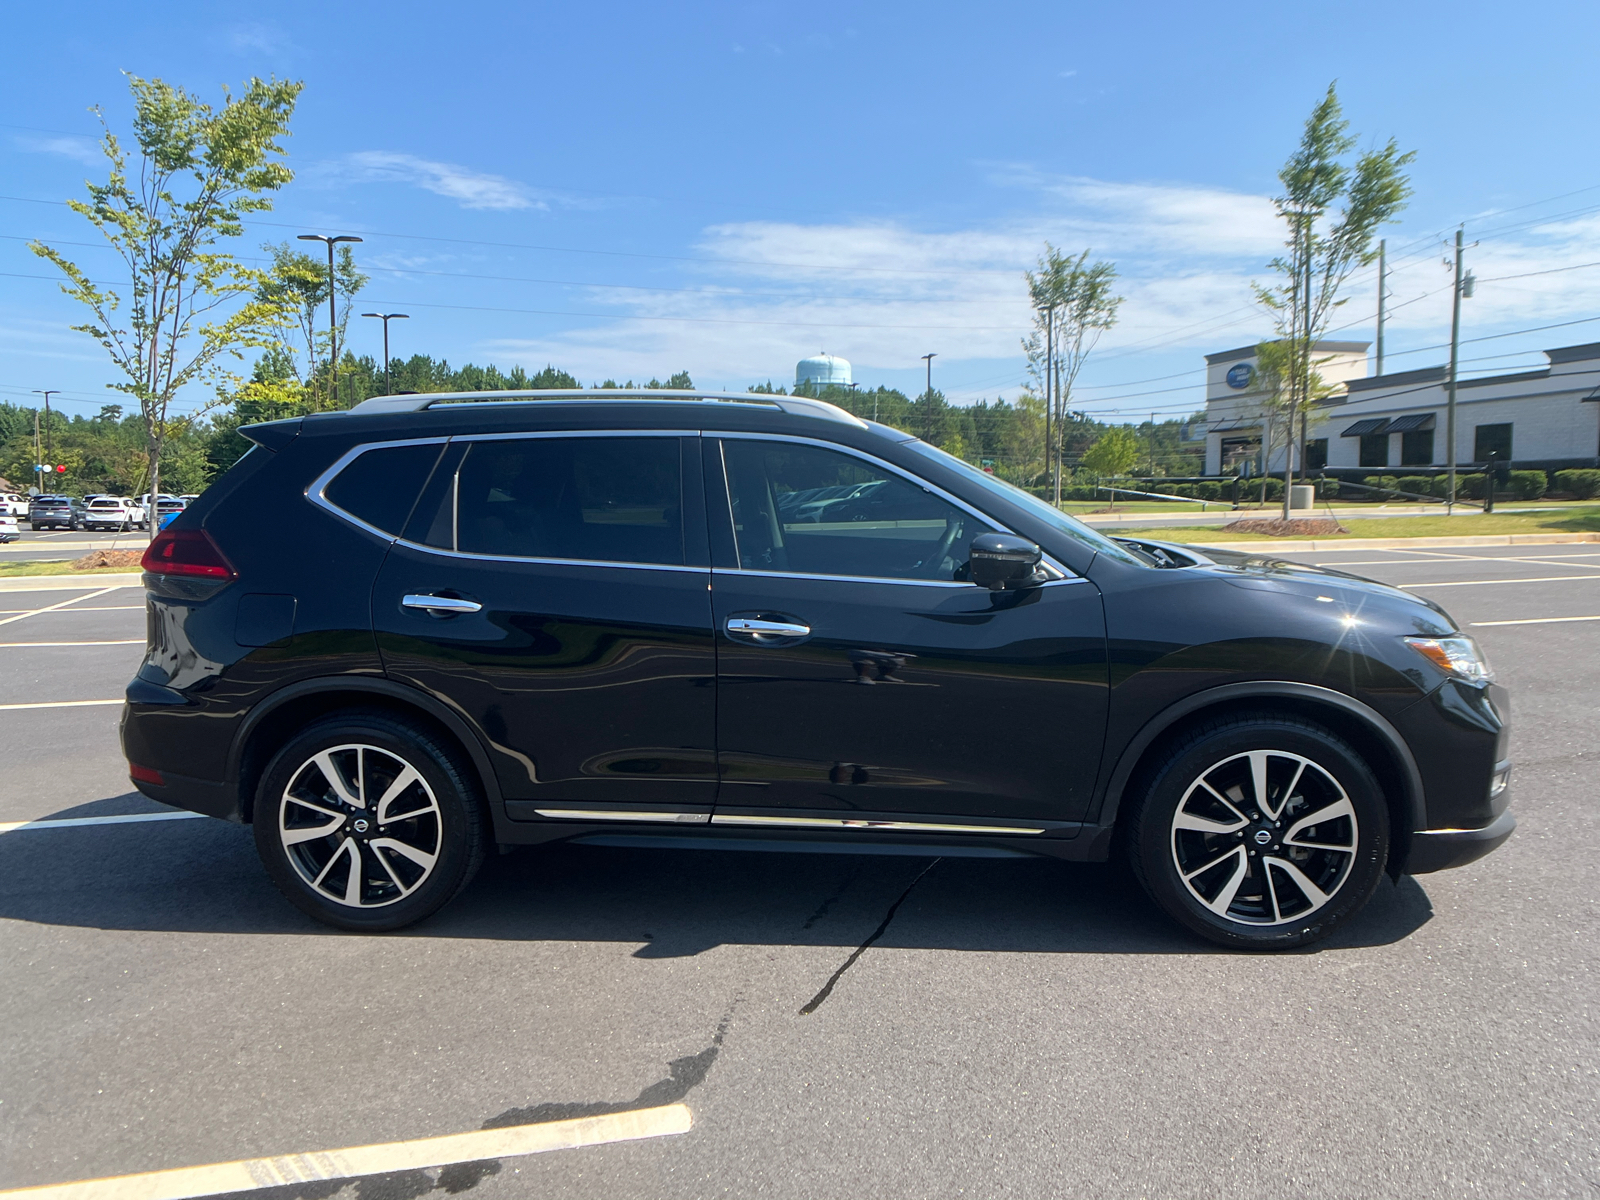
{"x":1260,"y":832}
{"x":368,"y":823}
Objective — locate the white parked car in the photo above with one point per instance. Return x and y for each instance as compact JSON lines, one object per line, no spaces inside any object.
{"x":13,"y":505}
{"x":8,"y":528}
{"x":110,"y":512}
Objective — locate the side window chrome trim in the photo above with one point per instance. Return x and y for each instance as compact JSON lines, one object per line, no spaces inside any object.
{"x":316,"y":489}
{"x":555,"y":562}
{"x":937,"y":583}
{"x":932,"y":489}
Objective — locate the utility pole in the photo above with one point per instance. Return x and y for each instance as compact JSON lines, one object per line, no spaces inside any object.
{"x":928,"y":395}
{"x":1462,"y":286}
{"x":1383,"y":283}
{"x":386,"y":318}
{"x":1049,"y":400}
{"x":49,"y":449}
{"x":333,"y":314}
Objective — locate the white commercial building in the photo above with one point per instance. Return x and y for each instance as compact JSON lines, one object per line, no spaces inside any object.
{"x":1547,"y":419}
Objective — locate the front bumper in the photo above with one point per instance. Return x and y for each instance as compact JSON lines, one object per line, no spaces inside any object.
{"x":1441,"y":849}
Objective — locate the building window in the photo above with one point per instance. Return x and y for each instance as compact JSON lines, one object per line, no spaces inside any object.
{"x":1416,"y":448}
{"x":1316,"y":454}
{"x":1374,"y":449}
{"x":1492,"y":441}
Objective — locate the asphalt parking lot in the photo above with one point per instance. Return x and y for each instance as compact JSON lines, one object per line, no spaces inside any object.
{"x":1018,"y":1027}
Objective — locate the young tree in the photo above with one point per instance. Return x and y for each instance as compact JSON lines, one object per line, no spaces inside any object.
{"x":1324,"y":245}
{"x":297,"y":286}
{"x":191,"y":307}
{"x":1073,"y":305}
{"x":1114,"y":452}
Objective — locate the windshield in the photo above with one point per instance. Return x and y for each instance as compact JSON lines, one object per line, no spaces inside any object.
{"x":1035,"y":507}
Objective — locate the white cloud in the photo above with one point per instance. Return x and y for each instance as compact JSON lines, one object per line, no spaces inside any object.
{"x":471,"y":189}
{"x":79,"y":149}
{"x":256,"y":36}
{"x":883,"y":293}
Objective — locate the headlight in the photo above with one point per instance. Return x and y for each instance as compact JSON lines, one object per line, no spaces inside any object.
{"x":1458,"y":656}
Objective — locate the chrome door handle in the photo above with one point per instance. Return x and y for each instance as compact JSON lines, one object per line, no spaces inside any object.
{"x":441,"y":604}
{"x":757,"y":629}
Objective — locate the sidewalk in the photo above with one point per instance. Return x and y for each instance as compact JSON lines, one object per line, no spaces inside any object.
{"x":1220,"y":514}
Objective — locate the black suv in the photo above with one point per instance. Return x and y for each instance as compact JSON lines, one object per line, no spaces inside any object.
{"x":698,"y":619}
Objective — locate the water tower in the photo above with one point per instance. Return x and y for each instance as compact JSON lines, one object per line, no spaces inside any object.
{"x":821,"y":371}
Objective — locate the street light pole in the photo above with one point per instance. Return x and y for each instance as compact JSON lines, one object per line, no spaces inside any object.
{"x":333,"y":314}
{"x":928,"y":395}
{"x":49,"y":449}
{"x":1462,"y":286}
{"x":386,"y":318}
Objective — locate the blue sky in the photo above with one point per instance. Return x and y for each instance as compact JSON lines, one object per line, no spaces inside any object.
{"x":628,"y":189}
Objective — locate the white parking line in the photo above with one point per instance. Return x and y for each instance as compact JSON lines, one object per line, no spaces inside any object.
{"x":57,"y":704}
{"x":1438,"y":558}
{"x":1477,"y":582}
{"x":1442,"y":555}
{"x":1538,"y":621}
{"x":4,"y":612}
{"x":53,"y":607}
{"x":75,"y":822}
{"x":124,"y":642}
{"x":252,"y":1174}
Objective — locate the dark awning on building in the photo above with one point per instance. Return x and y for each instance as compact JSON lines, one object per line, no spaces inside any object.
{"x":1369,"y":426}
{"x":1412,"y":423}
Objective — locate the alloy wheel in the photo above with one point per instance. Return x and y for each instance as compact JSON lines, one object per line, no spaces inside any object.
{"x":1265,"y":837}
{"x":360,"y":826}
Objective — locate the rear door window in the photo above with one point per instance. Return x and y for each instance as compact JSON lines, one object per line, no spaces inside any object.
{"x":595,"y":499}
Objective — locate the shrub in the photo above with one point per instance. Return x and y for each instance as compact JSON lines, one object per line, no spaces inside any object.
{"x":1327,"y":488}
{"x":1379,"y":481}
{"x":1209,"y":489}
{"x":1579,"y":484}
{"x":1470,"y":486}
{"x":1180,"y":489}
{"x":1528,"y":485}
{"x":1420,"y":485}
{"x":1274,"y":489}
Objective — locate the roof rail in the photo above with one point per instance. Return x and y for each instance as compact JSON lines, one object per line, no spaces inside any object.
{"x":800,"y":406}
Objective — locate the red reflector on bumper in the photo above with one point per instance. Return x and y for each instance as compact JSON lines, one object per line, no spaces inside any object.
{"x":145,"y":775}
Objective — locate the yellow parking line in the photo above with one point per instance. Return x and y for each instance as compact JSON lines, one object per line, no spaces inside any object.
{"x":252,"y":1174}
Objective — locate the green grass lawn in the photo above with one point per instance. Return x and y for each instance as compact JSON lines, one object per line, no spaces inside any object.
{"x":1573,"y":519}
{"x":14,"y":570}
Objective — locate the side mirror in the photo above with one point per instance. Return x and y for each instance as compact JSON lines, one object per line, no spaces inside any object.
{"x":1003,"y":562}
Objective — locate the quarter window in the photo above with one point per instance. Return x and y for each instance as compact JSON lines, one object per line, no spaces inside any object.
{"x":380,"y":485}
{"x":805,"y":510}
{"x":611,"y":499}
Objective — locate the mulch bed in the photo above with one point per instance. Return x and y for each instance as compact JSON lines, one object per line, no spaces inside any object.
{"x":97,"y":559}
{"x":1278,"y":527}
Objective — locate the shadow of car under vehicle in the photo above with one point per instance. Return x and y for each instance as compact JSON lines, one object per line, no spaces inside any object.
{"x":202,"y":876}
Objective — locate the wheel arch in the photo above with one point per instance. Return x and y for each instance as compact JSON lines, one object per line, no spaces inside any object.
{"x":1378,"y":742}
{"x":275,"y":720}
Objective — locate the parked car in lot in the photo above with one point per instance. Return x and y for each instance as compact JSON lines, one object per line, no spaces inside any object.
{"x":55,"y":512}
{"x":13,"y":505}
{"x":8,"y":528}
{"x":112,"y":512}
{"x":712,"y":620}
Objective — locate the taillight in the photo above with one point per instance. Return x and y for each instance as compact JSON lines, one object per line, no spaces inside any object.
{"x":141,"y":774}
{"x":188,"y":552}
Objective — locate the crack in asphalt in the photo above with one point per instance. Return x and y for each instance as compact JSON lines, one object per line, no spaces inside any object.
{"x":683,"y":1076}
{"x":827,"y":989}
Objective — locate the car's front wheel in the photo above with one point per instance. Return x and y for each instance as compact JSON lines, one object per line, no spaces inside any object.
{"x":368,"y":823}
{"x":1260,"y":832}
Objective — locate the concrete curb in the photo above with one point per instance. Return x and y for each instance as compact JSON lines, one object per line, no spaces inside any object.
{"x":70,"y":583}
{"x":1286,"y":545}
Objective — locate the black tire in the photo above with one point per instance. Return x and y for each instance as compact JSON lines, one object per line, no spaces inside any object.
{"x":1292,"y":882}
{"x":440,"y":816}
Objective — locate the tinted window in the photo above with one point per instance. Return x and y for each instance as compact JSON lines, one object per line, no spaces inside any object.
{"x":612,"y":499}
{"x":1492,"y":441}
{"x":819,"y":512}
{"x":378,"y":486}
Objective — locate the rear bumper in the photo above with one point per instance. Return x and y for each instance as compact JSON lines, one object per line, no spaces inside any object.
{"x":1441,"y":849}
{"x":197,"y":795}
